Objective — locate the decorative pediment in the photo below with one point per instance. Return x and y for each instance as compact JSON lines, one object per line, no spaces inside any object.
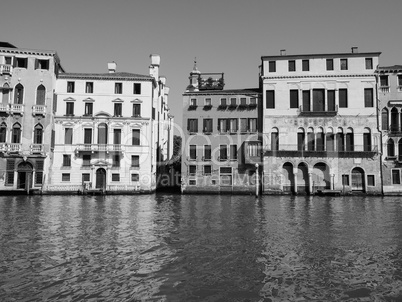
{"x":117,"y":125}
{"x":136,"y":101}
{"x":68,"y":124}
{"x":70,"y":99}
{"x":87,"y":124}
{"x":102,"y":114}
{"x":89,"y":100}
{"x":101,"y":162}
{"x":118,"y":100}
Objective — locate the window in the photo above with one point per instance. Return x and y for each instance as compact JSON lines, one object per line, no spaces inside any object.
{"x":306,"y":100}
{"x":223,"y":125}
{"x":118,"y":88}
{"x":10,"y":172}
{"x":192,"y":182}
{"x":345,"y":180}
{"x":305,"y":65}
{"x":136,"y":137}
{"x":330,"y":64}
{"x":116,"y":160}
{"x":89,"y":87}
{"x":38,"y":134}
{"x":331,"y":100}
{"x":301,"y":136}
{"x":272,"y":66}
{"x":5,"y":94}
{"x":208,"y":102}
{"x":274,"y":141}
{"x":88,"y":108}
{"x":40,"y":95}
{"x":136,"y":110}
{"x":7,"y":60}
{"x":292,"y":65}
{"x":320,"y":141}
{"x":252,"y":124}
{"x":207,"y":170}
{"x":294,"y":98}
{"x":86,"y":177}
{"x":192,"y":125}
{"x":193,"y":152}
{"x":16,"y":134}
{"x":223,"y":102}
{"x":192,"y":169}
{"x":135,"y":161}
{"x":68,"y":136}
{"x":69,"y":108}
{"x":223,"y":152}
{"x":66,"y":160}
{"x":234,"y":125}
{"x":233,"y":152}
{"x":343,"y":98}
{"x":193,"y":102}
{"x":344,"y":64}
{"x":207,"y":125}
{"x":369,"y":63}
{"x":270,"y":99}
{"x":368,"y":97}
{"x":370,"y":180}
{"x":115,"y":177}
{"x":65,"y":177}
{"x":118,"y":109}
{"x":253,"y":149}
{"x":340,"y":142}
{"x":243,"y":102}
{"x":137,"y":88}
{"x":86,"y":160}
{"x":135,"y":177}
{"x":41,"y":64}
{"x":399,"y":80}
{"x":384,"y":81}
{"x":207,"y":152}
{"x":349,"y":141}
{"x":384,"y":119}
{"x":330,"y":139}
{"x":243,"y":125}
{"x":19,"y":94}
{"x":3,"y":133}
{"x":318,"y":100}
{"x":253,"y":101}
{"x":233,"y":102}
{"x":70,"y":87}
{"x":367,"y":140}
{"x":87,"y":135}
{"x":21,"y":62}
{"x":116,"y":136}
{"x":396,"y":177}
{"x":310,"y":141}
{"x":38,"y":177}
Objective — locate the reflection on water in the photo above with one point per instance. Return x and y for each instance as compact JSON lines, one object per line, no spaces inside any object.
{"x":200,"y":248}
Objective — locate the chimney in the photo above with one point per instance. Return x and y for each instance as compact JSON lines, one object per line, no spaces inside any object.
{"x":283,"y":52}
{"x":355,"y":49}
{"x":154,"y":67}
{"x":112,"y":67}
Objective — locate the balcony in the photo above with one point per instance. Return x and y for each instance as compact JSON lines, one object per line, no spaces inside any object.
{"x":384,"y":89}
{"x":313,"y":113}
{"x":357,"y":152}
{"x":39,"y":110}
{"x":17,"y":108}
{"x":6,"y":69}
{"x":14,"y":148}
{"x":3,"y":147}
{"x":395,"y":130}
{"x":99,"y":148}
{"x":252,"y":152}
{"x":4,"y":108}
{"x":37,"y":148}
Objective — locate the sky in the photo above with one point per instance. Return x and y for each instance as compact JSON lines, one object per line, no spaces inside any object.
{"x":224,"y":35}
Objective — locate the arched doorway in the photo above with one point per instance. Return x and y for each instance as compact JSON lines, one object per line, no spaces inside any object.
{"x":321,"y":177}
{"x":101,"y":178}
{"x":25,"y":171}
{"x":302,"y":179}
{"x":358,"y":179}
{"x":288,"y":178}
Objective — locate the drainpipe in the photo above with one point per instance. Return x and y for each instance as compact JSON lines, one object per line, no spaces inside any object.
{"x":379,"y":130}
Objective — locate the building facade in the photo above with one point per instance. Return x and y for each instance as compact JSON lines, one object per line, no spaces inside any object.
{"x":27,"y":82}
{"x":389,"y":107}
{"x":111,"y":130}
{"x":320,"y":123}
{"x":221,"y":140}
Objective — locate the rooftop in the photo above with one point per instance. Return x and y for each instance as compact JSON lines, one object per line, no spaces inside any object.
{"x":105,"y":76}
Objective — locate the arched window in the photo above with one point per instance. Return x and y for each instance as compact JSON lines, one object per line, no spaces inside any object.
{"x":400,"y":149}
{"x":38,"y":134}
{"x":6,"y":94}
{"x":394,"y":119}
{"x":310,"y":139}
{"x":390,"y":148}
{"x":40,"y":95}
{"x":350,"y":141}
{"x":19,"y":94}
{"x":320,"y":139}
{"x":3,"y":133}
{"x":274,"y":139}
{"x":330,"y":139}
{"x":340,"y":140}
{"x":301,"y":139}
{"x":367,"y":140}
{"x":384,"y":119}
{"x":16,"y":134}
{"x":102,"y":134}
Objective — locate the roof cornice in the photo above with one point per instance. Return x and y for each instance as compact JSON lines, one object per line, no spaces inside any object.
{"x":319,"y":76}
{"x":322,"y":55}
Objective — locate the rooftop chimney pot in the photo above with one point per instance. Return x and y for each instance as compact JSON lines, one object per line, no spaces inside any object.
{"x":112,"y":67}
{"x":283,"y":52}
{"x":355,"y":49}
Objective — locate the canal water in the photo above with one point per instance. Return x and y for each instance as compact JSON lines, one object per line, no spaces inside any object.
{"x":200,"y":248}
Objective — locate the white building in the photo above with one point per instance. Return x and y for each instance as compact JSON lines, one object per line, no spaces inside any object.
{"x":110,"y":131}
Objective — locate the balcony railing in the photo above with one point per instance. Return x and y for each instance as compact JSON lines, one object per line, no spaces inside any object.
{"x":356,"y":151}
{"x":14,"y":147}
{"x":384,"y":89}
{"x":39,"y":110}
{"x":37,"y":148}
{"x":4,"y":108}
{"x":3,"y":147}
{"x":304,"y":112}
{"x":17,"y":108}
{"x":99,"y":148}
{"x":6,"y":69}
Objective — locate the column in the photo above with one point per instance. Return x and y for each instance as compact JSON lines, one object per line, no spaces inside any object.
{"x":310,"y":182}
{"x":295,"y":170}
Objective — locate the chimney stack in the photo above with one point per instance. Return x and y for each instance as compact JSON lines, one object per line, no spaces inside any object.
{"x":112,"y":67}
{"x":154,"y":67}
{"x":283,"y":52}
{"x":355,"y":49}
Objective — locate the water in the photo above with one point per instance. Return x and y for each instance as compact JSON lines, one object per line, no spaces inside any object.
{"x":200,"y":248}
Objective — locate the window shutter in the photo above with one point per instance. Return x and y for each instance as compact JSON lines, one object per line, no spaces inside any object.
{"x":36,"y":63}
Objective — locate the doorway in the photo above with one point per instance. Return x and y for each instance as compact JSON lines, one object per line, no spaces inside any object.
{"x":25,"y":171}
{"x":101,"y":178}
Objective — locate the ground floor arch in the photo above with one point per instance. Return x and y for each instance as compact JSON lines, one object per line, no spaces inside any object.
{"x":358,"y":177}
{"x":321,"y":177}
{"x":101,"y":178}
{"x":288,"y":178}
{"x":24,"y":175}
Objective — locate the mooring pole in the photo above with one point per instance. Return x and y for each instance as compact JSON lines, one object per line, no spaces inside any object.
{"x":257,"y":181}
